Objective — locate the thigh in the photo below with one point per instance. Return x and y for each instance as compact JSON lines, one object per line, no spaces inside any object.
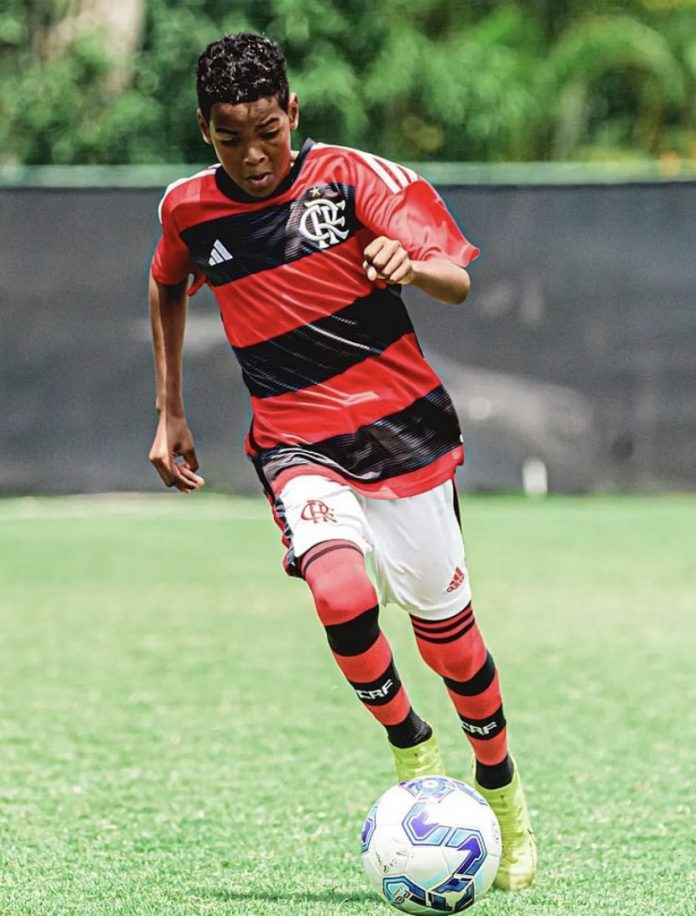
{"x":312,"y":509}
{"x":418,"y":552}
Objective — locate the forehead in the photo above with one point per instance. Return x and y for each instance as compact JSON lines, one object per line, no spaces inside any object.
{"x":244,"y":115}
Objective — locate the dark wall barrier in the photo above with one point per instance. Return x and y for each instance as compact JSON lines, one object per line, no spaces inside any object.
{"x":572,"y":364}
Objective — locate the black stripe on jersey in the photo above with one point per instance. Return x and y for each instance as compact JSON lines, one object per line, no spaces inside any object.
{"x":316,"y":352}
{"x":275,"y":235}
{"x":399,"y":443}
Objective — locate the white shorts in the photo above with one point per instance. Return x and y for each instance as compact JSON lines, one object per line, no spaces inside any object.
{"x":415,"y":541}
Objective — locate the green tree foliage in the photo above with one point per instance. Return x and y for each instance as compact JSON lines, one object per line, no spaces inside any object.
{"x":411,"y":79}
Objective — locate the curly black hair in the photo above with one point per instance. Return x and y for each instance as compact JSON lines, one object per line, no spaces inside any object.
{"x":241,"y":68}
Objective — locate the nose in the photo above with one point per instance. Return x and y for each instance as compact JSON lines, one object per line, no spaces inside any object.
{"x":254,"y":156}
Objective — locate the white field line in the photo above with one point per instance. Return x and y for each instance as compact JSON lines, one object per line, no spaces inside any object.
{"x":134,"y":505}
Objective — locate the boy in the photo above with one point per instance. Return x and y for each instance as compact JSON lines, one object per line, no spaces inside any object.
{"x":353,"y":437}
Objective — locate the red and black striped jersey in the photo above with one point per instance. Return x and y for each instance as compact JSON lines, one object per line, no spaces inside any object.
{"x":336,"y":375}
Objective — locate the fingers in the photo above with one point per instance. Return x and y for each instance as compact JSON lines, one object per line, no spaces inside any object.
{"x":184,"y":479}
{"x":371,"y":271}
{"x":403,"y":273}
{"x":179,"y":474}
{"x":186,"y":471}
{"x":397,"y":270}
{"x":386,"y":259}
{"x":161,"y":465}
{"x":393,"y":265}
{"x":375,"y":246}
{"x":190,"y":458}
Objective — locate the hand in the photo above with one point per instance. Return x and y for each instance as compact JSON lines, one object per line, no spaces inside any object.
{"x":173,"y":440}
{"x":386,"y":259}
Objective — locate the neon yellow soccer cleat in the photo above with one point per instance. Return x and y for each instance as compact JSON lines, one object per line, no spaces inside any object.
{"x":423,"y":759}
{"x":519,"y":860}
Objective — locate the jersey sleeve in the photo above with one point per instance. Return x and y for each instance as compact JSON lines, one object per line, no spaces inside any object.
{"x":396,"y":202}
{"x":171,"y":263}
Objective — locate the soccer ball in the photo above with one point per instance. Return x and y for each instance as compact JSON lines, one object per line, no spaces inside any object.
{"x":431,"y":845}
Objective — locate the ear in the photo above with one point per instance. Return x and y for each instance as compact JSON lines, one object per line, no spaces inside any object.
{"x":204,"y":126}
{"x":293,"y":111}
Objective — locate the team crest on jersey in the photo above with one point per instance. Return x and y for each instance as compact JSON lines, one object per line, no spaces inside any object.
{"x":324,"y":220}
{"x":319,"y":220}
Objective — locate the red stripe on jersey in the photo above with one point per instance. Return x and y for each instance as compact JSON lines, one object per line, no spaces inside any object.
{"x":309,"y":289}
{"x":374,"y":388}
{"x":410,"y":484}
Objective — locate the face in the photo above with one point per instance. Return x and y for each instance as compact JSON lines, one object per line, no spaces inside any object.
{"x":252,"y":141}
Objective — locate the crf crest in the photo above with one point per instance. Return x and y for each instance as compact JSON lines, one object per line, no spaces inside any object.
{"x":323,"y":222}
{"x":315,"y":510}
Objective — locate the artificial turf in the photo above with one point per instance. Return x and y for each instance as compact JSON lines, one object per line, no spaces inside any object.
{"x":175,"y":738}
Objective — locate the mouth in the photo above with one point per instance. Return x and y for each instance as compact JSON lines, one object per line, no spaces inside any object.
{"x":260,"y":182}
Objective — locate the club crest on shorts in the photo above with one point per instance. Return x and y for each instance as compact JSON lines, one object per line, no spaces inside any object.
{"x":314,"y":510}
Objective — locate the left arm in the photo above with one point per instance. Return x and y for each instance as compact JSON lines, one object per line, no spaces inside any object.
{"x":386,"y":259}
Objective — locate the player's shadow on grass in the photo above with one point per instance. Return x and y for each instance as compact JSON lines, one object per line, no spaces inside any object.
{"x":335,"y":897}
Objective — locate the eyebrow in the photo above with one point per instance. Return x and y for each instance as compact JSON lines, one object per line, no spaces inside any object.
{"x":233,"y":130}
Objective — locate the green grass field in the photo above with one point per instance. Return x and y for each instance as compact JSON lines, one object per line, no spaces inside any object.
{"x":175,"y":738}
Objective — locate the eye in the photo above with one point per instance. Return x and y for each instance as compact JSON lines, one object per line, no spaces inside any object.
{"x":230,"y":142}
{"x":270,"y":135}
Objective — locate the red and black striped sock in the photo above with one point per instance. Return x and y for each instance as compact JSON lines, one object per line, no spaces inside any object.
{"x":455,"y":650}
{"x":347,"y":606}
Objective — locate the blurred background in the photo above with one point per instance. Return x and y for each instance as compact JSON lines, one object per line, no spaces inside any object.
{"x":561,"y":133}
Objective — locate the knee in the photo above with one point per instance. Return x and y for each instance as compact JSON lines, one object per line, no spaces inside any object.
{"x":445,"y":663}
{"x":453,"y":648}
{"x":456,"y":665}
{"x":341,"y":588}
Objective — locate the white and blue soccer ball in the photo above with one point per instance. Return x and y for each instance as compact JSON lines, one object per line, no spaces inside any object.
{"x":431,"y":845}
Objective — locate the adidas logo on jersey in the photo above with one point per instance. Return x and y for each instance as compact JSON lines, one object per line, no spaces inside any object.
{"x":219,"y":254}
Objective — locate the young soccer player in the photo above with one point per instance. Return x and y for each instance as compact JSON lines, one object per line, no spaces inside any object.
{"x":353,"y":437}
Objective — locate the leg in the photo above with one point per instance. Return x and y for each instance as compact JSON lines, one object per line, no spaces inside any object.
{"x":454,"y":649}
{"x":419,"y":557}
{"x":327,"y":533}
{"x":346,"y":603}
{"x":421,"y":563}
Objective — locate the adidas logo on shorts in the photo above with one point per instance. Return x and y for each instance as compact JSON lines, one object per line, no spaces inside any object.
{"x":457,"y":579}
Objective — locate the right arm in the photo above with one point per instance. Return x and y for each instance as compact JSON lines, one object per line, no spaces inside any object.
{"x":417,"y":241}
{"x":173,"y":439}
